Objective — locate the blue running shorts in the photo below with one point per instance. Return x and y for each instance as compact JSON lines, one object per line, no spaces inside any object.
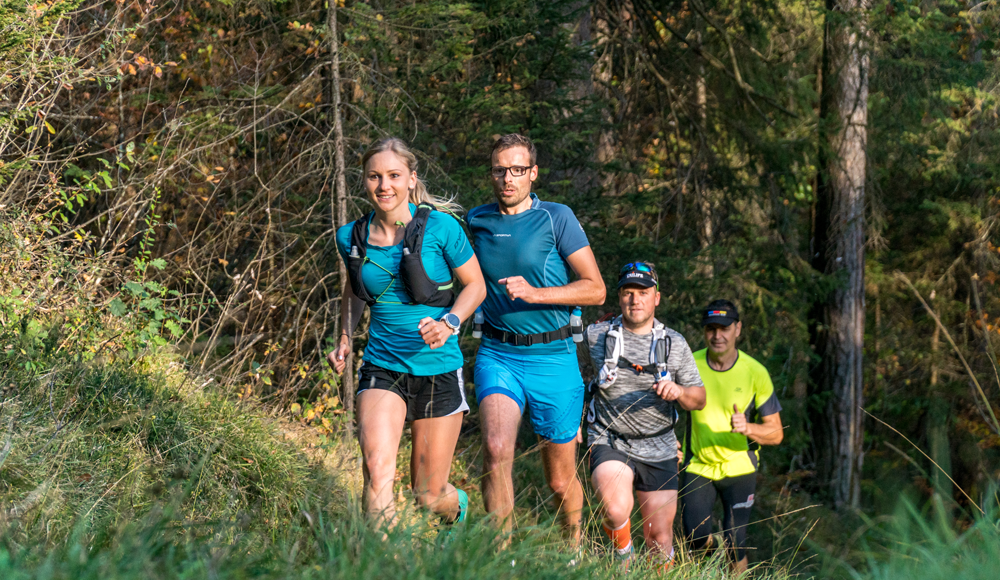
{"x":550,"y":385}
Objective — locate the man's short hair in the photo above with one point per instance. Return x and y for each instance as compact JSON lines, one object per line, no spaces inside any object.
{"x":512,"y":140}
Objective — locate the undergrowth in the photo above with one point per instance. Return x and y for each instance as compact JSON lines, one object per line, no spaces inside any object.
{"x":99,"y":446}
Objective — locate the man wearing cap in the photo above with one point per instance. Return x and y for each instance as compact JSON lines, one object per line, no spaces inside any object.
{"x":646,"y":373}
{"x":529,"y":250}
{"x":722,"y":439}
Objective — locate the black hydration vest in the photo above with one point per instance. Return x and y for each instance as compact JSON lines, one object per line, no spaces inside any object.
{"x":416,"y":282}
{"x":613,"y":360}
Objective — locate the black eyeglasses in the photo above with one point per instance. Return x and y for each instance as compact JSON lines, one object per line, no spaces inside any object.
{"x":499,"y":172}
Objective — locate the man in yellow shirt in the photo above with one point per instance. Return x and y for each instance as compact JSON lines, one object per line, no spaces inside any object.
{"x":722,"y":439}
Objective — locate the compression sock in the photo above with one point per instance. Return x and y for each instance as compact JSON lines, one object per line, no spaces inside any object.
{"x":621,"y":538}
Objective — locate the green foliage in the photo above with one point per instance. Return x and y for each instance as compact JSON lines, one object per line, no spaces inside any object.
{"x":54,"y":302}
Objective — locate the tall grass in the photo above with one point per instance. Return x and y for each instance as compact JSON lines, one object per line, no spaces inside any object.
{"x":322,"y":545}
{"x":97,"y":447}
{"x":131,"y":469}
{"x":922,"y":547}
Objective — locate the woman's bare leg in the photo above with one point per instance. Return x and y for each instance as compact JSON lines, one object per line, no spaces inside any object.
{"x":381,"y":417}
{"x":434,"y":443}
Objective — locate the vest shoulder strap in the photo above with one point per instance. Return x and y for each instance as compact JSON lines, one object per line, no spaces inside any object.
{"x":359,"y":234}
{"x":413,"y":234}
{"x":357,"y":256}
{"x":659,"y":351}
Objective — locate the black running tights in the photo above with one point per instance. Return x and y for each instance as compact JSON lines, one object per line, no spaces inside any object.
{"x":698,"y":498}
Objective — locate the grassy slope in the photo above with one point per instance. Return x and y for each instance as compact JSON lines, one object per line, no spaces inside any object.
{"x":134,"y":471}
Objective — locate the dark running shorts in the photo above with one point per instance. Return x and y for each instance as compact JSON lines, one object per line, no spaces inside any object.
{"x":649,"y":476}
{"x":426,"y":397}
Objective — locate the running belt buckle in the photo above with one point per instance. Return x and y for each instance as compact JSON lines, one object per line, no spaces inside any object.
{"x":516,"y":339}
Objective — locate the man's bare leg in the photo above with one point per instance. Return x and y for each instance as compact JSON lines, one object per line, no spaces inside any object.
{"x":559,"y":460}
{"x":613,"y":482}
{"x":499,"y":416}
{"x":658,"y":511}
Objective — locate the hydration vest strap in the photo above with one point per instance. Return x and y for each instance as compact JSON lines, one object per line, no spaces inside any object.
{"x":613,"y":345}
{"x":359,"y":241}
{"x":525,"y":339}
{"x":650,"y":369}
{"x":659,"y":350}
{"x":416,"y":282}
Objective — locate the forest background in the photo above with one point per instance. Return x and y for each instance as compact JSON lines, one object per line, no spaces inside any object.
{"x":171,"y":175}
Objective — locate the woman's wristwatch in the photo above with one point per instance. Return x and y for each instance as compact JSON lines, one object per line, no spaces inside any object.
{"x":452,"y":321}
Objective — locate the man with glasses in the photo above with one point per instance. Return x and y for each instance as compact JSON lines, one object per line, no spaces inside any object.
{"x":722,"y":439}
{"x":646,"y":373}
{"x":528,"y":250}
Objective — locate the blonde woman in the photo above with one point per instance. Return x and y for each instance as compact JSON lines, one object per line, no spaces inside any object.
{"x":403,"y":258}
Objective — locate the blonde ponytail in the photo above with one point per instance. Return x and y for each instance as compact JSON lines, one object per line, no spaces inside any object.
{"x":419,"y":193}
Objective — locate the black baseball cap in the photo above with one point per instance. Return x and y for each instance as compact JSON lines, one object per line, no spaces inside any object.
{"x":721,"y":312}
{"x":638,"y":273}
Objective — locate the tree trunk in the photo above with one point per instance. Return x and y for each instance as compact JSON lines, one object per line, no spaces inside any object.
{"x":839,"y":245}
{"x":601,"y":74}
{"x":340,"y":189}
{"x":703,"y":194}
{"x":937,"y":435}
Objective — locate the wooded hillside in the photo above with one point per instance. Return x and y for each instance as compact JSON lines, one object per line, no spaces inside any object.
{"x":832,"y":168}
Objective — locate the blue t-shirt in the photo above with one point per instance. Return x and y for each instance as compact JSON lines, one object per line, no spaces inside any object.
{"x":394,"y":341}
{"x":533,"y":244}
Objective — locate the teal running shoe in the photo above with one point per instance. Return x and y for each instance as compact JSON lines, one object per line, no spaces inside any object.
{"x":447,"y":529}
{"x":463,"y":506}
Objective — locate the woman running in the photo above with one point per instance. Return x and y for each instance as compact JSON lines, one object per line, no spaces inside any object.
{"x":401,"y":258}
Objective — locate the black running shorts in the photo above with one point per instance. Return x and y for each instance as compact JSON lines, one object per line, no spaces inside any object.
{"x":648,"y":475}
{"x":425,"y":397}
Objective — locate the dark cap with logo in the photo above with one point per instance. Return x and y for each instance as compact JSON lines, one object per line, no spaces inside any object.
{"x":638,"y":273}
{"x":721,"y":312}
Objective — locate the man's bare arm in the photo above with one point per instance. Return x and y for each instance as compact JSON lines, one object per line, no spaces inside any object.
{"x":768,"y":432}
{"x":588,"y":290}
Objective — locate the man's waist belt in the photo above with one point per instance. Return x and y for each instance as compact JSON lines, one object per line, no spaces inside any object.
{"x":526,"y":339}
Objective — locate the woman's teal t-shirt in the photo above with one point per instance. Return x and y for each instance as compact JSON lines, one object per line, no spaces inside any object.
{"x":394,"y":341}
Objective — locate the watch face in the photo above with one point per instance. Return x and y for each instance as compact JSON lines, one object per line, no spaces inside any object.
{"x":452,"y":320}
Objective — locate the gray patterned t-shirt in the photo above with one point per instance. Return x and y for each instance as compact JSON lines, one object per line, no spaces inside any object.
{"x":630,"y":405}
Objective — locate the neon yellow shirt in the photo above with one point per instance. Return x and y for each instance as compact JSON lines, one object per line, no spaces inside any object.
{"x":715,"y":451}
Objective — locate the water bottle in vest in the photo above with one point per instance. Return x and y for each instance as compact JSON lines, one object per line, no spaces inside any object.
{"x":576,"y":324}
{"x":354,"y":252}
{"x":477,"y":324}
{"x":406,"y":251}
